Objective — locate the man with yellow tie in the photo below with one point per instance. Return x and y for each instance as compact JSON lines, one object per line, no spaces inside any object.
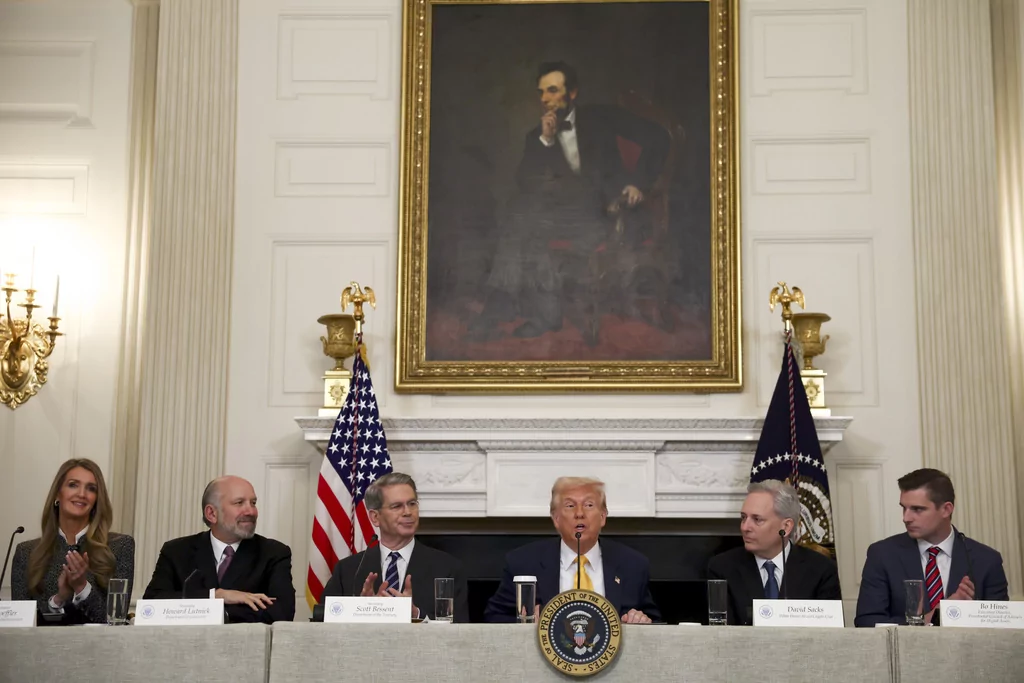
{"x":579,"y":511}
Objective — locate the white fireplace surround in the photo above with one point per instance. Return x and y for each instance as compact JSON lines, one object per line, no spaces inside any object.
{"x":685,"y":468}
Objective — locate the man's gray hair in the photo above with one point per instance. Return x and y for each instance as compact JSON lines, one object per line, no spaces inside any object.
{"x":374,"y":497}
{"x":785,"y":501}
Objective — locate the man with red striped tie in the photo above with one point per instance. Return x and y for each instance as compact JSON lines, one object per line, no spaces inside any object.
{"x":952,"y":566}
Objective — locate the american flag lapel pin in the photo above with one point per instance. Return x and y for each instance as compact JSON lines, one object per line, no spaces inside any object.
{"x":618,"y":580}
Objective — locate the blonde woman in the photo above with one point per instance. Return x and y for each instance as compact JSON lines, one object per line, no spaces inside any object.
{"x":67,"y":569}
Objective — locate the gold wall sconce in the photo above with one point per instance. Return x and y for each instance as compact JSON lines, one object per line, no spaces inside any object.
{"x":24,"y":346}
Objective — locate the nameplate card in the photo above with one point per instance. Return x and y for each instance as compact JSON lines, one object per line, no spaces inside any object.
{"x":179,"y":612}
{"x":981,"y":613}
{"x":368,"y":610}
{"x":792,"y":613}
{"x":17,"y":613}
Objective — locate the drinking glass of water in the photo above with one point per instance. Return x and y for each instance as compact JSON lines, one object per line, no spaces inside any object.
{"x":913,"y":590}
{"x":117,"y":602}
{"x":444,"y":599}
{"x":718,"y":602}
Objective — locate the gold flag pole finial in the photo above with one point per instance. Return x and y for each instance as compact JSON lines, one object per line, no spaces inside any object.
{"x":358,"y":295}
{"x":783,"y":295}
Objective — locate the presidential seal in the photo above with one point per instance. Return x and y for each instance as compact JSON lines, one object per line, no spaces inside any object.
{"x":579,"y":632}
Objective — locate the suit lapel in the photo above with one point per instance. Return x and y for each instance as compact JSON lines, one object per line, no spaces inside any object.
{"x":205,"y":561}
{"x":957,"y":566}
{"x":612,"y":588}
{"x":550,"y":572}
{"x":910,"y":557}
{"x":243,"y":561}
{"x":793,"y":569}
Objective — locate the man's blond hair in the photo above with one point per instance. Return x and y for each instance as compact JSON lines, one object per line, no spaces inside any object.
{"x":563,"y":484}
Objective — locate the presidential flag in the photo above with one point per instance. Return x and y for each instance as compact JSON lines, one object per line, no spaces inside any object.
{"x":357,"y":455}
{"x":788,"y":450}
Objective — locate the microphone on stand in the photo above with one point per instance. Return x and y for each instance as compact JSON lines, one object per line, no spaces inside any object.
{"x":579,"y":562}
{"x":19,"y":530}
{"x":782,"y":586}
{"x":356,"y":587}
{"x":184,"y":584}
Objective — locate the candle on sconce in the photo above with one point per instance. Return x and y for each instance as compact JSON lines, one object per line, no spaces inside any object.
{"x":32,"y":273}
{"x":56,"y":295}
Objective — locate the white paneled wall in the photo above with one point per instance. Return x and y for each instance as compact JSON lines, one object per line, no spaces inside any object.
{"x":64,"y":82}
{"x":825,"y":206}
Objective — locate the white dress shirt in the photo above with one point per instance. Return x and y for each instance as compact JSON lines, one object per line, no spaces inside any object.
{"x":944,"y":560}
{"x":567,"y":140}
{"x":778,"y":568}
{"x":218,"y":555}
{"x":87,"y":591}
{"x":591,"y":562}
{"x":403,"y":562}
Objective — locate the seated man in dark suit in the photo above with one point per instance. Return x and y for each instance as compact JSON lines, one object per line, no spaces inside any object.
{"x":952,"y":566}
{"x":759,"y":569}
{"x":619,"y":573}
{"x":251,"y":573}
{"x":399,"y":565}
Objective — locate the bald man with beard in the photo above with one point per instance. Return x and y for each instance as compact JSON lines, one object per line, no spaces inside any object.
{"x":251,"y":573}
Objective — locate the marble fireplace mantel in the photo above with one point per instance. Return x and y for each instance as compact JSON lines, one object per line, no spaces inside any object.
{"x":684,"y":468}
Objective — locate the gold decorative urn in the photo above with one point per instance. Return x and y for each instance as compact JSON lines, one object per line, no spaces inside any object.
{"x":807,"y":329}
{"x":342,"y":341}
{"x":339,"y":344}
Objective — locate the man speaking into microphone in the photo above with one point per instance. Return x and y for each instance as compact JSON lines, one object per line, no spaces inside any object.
{"x":619,"y":573}
{"x":770,"y":565}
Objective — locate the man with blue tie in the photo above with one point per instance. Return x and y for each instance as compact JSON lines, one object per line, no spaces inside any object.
{"x":579,"y":511}
{"x":952,"y":566}
{"x":770,"y":565}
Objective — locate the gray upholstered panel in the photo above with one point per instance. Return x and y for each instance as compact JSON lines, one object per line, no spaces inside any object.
{"x":128,"y":654}
{"x":929,"y":655}
{"x":484,"y":652}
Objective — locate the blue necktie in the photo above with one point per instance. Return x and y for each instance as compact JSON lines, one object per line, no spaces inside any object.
{"x":771,"y":588}
{"x":392,"y":574}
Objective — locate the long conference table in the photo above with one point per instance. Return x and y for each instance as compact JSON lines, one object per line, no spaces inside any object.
{"x":292,"y":652}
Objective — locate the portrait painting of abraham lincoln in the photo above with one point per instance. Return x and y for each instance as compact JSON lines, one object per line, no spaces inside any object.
{"x":568,"y":213}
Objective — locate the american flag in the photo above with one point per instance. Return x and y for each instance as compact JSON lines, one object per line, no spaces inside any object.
{"x":788,"y":449}
{"x":357,"y":454}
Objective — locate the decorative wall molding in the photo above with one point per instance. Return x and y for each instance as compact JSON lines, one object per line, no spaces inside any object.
{"x":809,"y":166}
{"x":44,"y":188}
{"x":332,"y":168}
{"x":809,"y":50}
{"x":334,"y":53}
{"x":300,"y":266}
{"x":838,"y":275}
{"x":54,"y":82}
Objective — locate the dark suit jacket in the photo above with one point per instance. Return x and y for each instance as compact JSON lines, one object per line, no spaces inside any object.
{"x":808,"y":575}
{"x":597,"y":129}
{"x":260,"y":565}
{"x":626,"y":576}
{"x":92,"y":610}
{"x":425,"y":565}
{"x":894,"y":559}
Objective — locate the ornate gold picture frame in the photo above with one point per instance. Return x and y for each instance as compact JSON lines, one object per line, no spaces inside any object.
{"x":569,"y":201}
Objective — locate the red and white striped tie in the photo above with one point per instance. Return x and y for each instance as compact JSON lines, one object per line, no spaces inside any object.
{"x":932,"y":579}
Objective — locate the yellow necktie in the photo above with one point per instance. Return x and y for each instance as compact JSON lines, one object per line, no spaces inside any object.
{"x":584,"y":579}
